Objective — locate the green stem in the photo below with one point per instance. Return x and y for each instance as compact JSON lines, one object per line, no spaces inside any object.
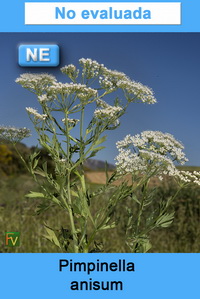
{"x":83,"y":239}
{"x":81,"y":153}
{"x":74,"y":234}
{"x":24,"y":162}
{"x":141,"y":205}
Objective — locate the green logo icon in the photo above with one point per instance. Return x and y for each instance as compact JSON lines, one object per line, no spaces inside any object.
{"x":12,"y":239}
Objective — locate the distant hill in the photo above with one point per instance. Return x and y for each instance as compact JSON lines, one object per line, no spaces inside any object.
{"x":10,"y":163}
{"x":189,"y":168}
{"x":97,"y":165}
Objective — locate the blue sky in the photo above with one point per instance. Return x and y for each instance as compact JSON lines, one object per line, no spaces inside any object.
{"x":169,"y":63}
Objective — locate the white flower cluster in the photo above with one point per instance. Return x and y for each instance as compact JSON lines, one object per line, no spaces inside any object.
{"x":107,"y":84}
{"x":111,"y":80}
{"x":44,"y":98}
{"x":136,"y":91}
{"x":187,"y":176}
{"x":71,"y":71}
{"x":13,"y":134}
{"x":116,"y":75}
{"x":153,"y":153}
{"x":107,"y":111}
{"x":91,"y":68}
{"x":35,"y":81}
{"x":36,"y":114}
{"x":156,"y":142}
{"x":71,"y":121}
{"x":82,"y":92}
{"x":108,"y":79}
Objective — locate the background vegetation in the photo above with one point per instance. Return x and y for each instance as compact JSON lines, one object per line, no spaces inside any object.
{"x":18,"y":213}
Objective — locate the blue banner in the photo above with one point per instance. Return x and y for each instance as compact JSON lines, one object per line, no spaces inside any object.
{"x":13,"y":16}
{"x":110,"y":276}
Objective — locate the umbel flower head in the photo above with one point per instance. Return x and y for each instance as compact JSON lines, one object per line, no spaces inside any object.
{"x":91,"y":68}
{"x":71,"y":71}
{"x":35,"y":82}
{"x":111,"y":80}
{"x":36,"y":114}
{"x":47,"y":88}
{"x":107,"y":111}
{"x":83,"y":92}
{"x":152,"y":153}
{"x":13,"y":134}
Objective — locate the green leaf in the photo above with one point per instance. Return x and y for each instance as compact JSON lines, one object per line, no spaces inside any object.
{"x":40,"y":172}
{"x":33,"y":155}
{"x":76,"y":209}
{"x":44,"y":165}
{"x":55,"y":200}
{"x":95,"y":150}
{"x":165,"y":220}
{"x":42,"y":208}
{"x":146,"y":246}
{"x":73,"y":193}
{"x":47,"y":147}
{"x":51,"y":236}
{"x":35,"y":163}
{"x":106,"y":171}
{"x":35,"y":195}
{"x":81,"y":206}
{"x":100,"y":140}
{"x":112,"y":177}
{"x":134,"y":197}
{"x":108,"y":226}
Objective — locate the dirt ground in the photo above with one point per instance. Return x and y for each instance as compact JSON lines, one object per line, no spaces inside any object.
{"x":99,"y":177}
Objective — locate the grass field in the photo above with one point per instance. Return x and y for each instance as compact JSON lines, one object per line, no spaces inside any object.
{"x":18,"y":213}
